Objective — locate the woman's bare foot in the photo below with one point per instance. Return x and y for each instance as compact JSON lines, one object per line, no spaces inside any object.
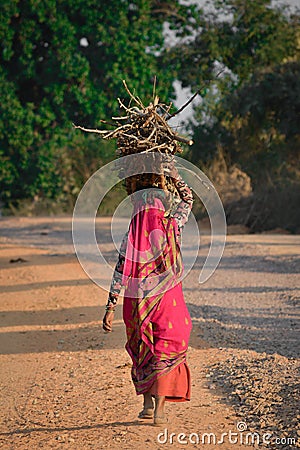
{"x":159,"y":412}
{"x":147,"y":412}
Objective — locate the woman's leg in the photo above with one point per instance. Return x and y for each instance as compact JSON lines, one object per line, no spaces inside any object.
{"x":148,"y":402}
{"x":159,"y":406}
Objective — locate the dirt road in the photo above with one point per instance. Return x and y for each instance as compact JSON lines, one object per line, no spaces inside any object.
{"x":66,"y":384}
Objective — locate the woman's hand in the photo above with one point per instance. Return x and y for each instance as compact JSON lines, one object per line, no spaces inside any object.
{"x":108,"y":320}
{"x":171,"y":171}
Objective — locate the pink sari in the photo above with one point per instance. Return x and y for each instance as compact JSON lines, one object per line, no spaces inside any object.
{"x":158,"y":324}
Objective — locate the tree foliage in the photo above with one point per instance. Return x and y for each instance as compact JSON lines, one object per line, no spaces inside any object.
{"x":262,"y":122}
{"x":252,"y":110}
{"x":63,"y":62}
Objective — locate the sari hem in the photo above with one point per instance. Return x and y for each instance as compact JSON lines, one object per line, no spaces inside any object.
{"x":174,"y":386}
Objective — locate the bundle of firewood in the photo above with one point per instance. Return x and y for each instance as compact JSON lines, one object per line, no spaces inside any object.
{"x":143,"y":129}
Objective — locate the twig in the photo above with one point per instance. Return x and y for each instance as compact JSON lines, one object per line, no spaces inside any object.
{"x":89,"y":130}
{"x":192,"y":98}
{"x":154,"y":148}
{"x":183,"y":140}
{"x":166,"y":110}
{"x":118,"y":118}
{"x":108,"y":123}
{"x":154,"y":89}
{"x":136,"y":99}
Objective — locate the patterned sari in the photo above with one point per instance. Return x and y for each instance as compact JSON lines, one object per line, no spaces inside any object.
{"x":158,"y":324}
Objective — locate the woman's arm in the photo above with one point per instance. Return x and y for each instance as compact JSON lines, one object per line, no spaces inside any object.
{"x":115,"y":287}
{"x":184,"y":207}
{"x":116,"y":282}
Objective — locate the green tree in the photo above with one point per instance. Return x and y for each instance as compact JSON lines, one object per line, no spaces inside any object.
{"x":262,"y":121}
{"x":62,"y":62}
{"x":248,"y":40}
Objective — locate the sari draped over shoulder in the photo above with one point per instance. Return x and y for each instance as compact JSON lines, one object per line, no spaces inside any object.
{"x":158,"y":323}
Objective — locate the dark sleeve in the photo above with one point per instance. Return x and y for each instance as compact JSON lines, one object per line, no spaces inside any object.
{"x":184,"y":207}
{"x":116,"y":282}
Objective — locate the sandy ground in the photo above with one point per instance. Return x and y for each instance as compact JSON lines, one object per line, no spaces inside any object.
{"x":66,"y":384}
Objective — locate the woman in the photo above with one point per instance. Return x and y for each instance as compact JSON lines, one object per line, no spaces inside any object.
{"x":158,"y":324}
